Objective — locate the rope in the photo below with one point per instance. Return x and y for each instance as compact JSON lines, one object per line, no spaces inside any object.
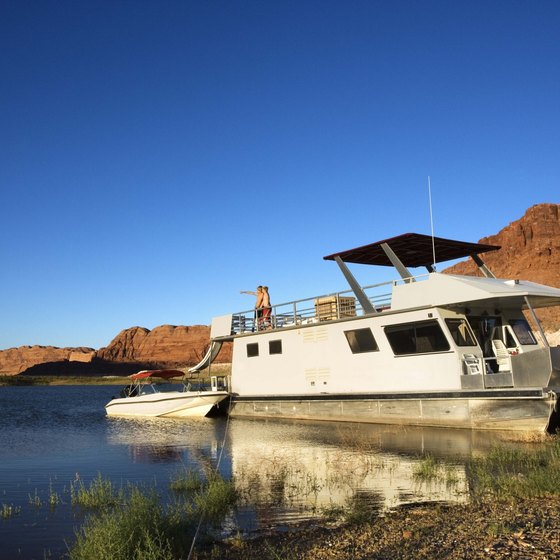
{"x":204,"y":509}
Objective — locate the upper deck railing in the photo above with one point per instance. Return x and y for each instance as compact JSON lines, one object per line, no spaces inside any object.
{"x":329,"y":307}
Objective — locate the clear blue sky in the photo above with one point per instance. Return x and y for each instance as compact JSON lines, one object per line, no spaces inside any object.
{"x":158,"y":157}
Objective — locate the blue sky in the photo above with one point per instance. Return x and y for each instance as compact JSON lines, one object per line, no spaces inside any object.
{"x":159,"y":157}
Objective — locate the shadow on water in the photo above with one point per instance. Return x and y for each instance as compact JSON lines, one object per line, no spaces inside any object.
{"x":283,"y":471}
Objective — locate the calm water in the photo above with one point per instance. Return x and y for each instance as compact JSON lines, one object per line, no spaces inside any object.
{"x":285,"y":471}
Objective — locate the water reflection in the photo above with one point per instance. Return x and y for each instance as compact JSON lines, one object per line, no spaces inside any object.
{"x":284,"y":470}
{"x":291,"y":471}
{"x":168,"y":440}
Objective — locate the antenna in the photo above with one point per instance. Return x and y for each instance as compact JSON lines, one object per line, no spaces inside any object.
{"x":432,"y":222}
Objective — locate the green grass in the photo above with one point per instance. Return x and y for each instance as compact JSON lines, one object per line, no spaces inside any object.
{"x":429,"y":468}
{"x":514,"y":473}
{"x":7,"y":511}
{"x":136,"y":526}
{"x":100,"y":493}
{"x":134,"y":530}
{"x":187,"y":481}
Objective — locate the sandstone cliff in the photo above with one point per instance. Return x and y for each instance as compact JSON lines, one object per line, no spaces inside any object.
{"x":530,"y":250}
{"x":17,"y":360}
{"x":131,"y":350}
{"x":166,"y":345}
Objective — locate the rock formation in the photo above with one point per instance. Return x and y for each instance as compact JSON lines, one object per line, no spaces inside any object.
{"x":17,"y":360}
{"x":131,"y":350}
{"x":166,"y":345}
{"x":530,"y":250}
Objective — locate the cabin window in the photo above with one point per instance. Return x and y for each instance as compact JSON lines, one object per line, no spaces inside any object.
{"x":275,"y":347}
{"x":417,"y":338}
{"x":252,"y":350}
{"x":361,"y":340}
{"x":522,"y":331}
{"x":460,"y":331}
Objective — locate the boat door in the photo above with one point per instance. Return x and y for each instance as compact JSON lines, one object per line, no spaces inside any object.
{"x":484,"y":328}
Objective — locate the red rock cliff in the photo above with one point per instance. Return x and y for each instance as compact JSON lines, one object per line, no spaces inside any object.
{"x":166,"y":345}
{"x":16,"y":360}
{"x":530,"y":250}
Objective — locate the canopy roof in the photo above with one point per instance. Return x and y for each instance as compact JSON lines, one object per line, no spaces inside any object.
{"x":413,"y":249}
{"x":163,"y":373}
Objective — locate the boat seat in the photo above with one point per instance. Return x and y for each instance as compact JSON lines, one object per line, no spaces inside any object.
{"x":472,"y":364}
{"x":502,"y":355}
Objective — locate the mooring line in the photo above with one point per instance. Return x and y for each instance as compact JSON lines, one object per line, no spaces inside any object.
{"x":204,"y":508}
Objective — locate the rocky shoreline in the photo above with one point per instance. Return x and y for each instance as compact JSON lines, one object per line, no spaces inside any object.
{"x":493,"y":529}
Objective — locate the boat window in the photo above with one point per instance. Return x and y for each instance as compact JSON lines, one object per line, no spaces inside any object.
{"x":275,"y":347}
{"x":417,"y":338}
{"x":522,"y":331}
{"x":460,"y":331}
{"x":361,"y":340}
{"x":252,"y":350}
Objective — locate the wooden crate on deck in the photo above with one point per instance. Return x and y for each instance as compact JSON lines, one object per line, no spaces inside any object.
{"x":333,"y":307}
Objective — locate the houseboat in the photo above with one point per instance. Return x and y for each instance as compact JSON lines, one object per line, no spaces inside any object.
{"x":432,"y":349}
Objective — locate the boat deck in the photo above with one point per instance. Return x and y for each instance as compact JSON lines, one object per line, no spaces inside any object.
{"x":317,"y":309}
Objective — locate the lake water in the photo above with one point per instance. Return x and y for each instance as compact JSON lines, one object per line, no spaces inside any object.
{"x":285,"y":471}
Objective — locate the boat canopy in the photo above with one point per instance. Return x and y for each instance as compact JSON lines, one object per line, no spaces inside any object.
{"x":412,"y":249}
{"x":163,"y":373}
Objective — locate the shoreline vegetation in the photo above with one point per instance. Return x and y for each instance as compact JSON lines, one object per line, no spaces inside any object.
{"x":513,"y":511}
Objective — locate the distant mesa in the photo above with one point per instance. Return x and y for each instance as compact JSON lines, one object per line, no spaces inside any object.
{"x":530,"y":250}
{"x":132,"y":349}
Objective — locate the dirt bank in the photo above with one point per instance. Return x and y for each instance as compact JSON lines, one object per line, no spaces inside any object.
{"x":522,"y":529}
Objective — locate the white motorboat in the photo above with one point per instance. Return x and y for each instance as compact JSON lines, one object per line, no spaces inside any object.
{"x":433,"y":349}
{"x":142,"y":397}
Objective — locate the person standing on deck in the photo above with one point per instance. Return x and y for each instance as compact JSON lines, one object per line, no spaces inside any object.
{"x":258,"y":304}
{"x":266,"y":308}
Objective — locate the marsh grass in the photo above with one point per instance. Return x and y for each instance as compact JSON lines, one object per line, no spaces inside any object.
{"x":134,"y":529}
{"x":135,"y":525}
{"x":100,"y":493}
{"x":514,"y":473}
{"x":8,"y":510}
{"x":54,"y":497}
{"x":35,"y":500}
{"x":187,"y":481}
{"x":428,"y":468}
{"x":216,"y":499}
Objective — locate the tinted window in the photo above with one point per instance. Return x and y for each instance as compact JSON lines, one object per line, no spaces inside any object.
{"x":361,"y":340}
{"x":460,"y":332}
{"x":417,"y":338}
{"x":252,"y":350}
{"x":275,"y":347}
{"x":522,"y":331}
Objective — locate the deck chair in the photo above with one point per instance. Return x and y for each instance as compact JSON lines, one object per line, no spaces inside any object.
{"x":502,"y":355}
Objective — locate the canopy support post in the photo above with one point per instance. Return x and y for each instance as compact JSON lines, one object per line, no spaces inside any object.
{"x":397,"y":263}
{"x":482,"y":267}
{"x":366,"y":304}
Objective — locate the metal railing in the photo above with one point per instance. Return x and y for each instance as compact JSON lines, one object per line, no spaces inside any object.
{"x":318,"y":309}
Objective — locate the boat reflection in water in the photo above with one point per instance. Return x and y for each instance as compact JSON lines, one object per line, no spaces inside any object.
{"x":286,"y":472}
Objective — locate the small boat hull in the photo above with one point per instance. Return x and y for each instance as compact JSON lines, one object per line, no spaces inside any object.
{"x":527,"y":410}
{"x":167,"y":405}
